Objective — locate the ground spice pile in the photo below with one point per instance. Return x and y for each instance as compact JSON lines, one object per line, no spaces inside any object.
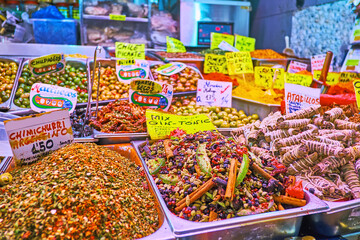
{"x":82,"y":191}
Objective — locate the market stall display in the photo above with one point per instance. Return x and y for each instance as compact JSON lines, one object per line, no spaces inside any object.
{"x":178,"y":55}
{"x":79,"y":125}
{"x":266,"y":54}
{"x":9,"y":69}
{"x":74,"y":194}
{"x":74,"y":77}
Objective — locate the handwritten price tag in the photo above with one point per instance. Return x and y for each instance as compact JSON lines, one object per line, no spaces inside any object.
{"x":160,"y":124}
{"x":214,"y":93}
{"x":217,"y":38}
{"x":317,"y":63}
{"x":33,"y":136}
{"x":174,"y":45}
{"x":265,"y":75}
{"x":117,"y":17}
{"x":129,"y":50}
{"x":331,"y":79}
{"x":239,"y":62}
{"x":295,"y":67}
{"x":348,"y":77}
{"x":215,"y":63}
{"x":243,"y":43}
{"x":299,"y":79}
{"x":357,"y":92}
{"x":300,"y":97}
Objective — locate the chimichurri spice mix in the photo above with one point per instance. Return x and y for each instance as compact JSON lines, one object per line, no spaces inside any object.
{"x":82,"y":191}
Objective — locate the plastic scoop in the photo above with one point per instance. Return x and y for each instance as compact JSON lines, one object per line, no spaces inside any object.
{"x":288,"y":50}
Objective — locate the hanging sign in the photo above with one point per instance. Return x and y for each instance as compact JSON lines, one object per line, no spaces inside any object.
{"x":356,"y":84}
{"x":243,"y":43}
{"x":117,"y":17}
{"x":352,"y":60}
{"x":239,"y":63}
{"x":214,"y":93}
{"x":53,"y":63}
{"x":130,"y":50}
{"x":299,"y":79}
{"x":265,"y":75}
{"x":34,"y":136}
{"x":160,"y":124}
{"x":171,"y":68}
{"x":150,"y":94}
{"x":331,"y":79}
{"x":174,"y":45}
{"x":295,"y":67}
{"x":299,"y":97}
{"x":348,"y":77}
{"x":217,"y":38}
{"x":227,"y":47}
{"x":215,"y":63}
{"x":128,"y":69}
{"x":317,"y":63}
{"x":46,"y":98}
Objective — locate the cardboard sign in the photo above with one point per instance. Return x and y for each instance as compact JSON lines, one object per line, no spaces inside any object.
{"x":348,"y":77}
{"x":239,"y":63}
{"x":265,"y":75}
{"x":150,"y":94}
{"x":174,"y":45}
{"x":227,"y":47}
{"x":243,"y":43}
{"x":214,"y":93}
{"x":356,"y":84}
{"x":160,"y":124}
{"x":215,"y":63}
{"x":351,"y":63}
{"x":46,"y":98}
{"x":317,"y":63}
{"x":299,"y":97}
{"x":299,"y":79}
{"x":34,"y":136}
{"x":53,"y":63}
{"x":217,"y":38}
{"x":130,"y":50}
{"x":295,"y":67}
{"x":117,"y":17}
{"x":331,"y":79}
{"x":138,"y":69}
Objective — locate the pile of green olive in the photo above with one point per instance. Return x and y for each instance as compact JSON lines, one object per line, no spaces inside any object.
{"x":74,"y":78}
{"x":221,"y":117}
{"x":8,"y":72}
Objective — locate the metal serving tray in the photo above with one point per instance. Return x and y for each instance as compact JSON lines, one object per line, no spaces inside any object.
{"x":4,"y":164}
{"x":74,"y":62}
{"x":341,"y":218}
{"x":6,"y":105}
{"x":251,"y":106}
{"x":112,"y":138}
{"x":164,"y":232}
{"x":271,"y":225}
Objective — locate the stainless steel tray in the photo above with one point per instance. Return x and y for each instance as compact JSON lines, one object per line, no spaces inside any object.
{"x":7,"y":104}
{"x":251,"y":106}
{"x":4,"y":164}
{"x":112,"y":138}
{"x":74,"y":62}
{"x":341,"y":218}
{"x":272,"y":225}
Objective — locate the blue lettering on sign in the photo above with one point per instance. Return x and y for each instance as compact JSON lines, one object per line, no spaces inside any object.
{"x":208,"y":84}
{"x":294,"y":106}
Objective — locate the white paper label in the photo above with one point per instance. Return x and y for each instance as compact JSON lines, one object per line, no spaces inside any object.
{"x":298,"y":97}
{"x":171,"y":68}
{"x":33,"y":136}
{"x":317,"y":63}
{"x":227,"y":47}
{"x":295,"y":67}
{"x":46,"y":98}
{"x":214,"y":93}
{"x":127,"y":72}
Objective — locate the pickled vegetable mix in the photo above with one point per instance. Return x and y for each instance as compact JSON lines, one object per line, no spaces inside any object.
{"x":82,"y":191}
{"x":8,"y":72}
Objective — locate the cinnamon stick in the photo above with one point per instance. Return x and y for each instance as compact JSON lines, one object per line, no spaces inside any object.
{"x":280,"y":207}
{"x":261,"y":171}
{"x":290,"y":201}
{"x":193,"y":193}
{"x":198,"y":170}
{"x":168,"y":152}
{"x":196,"y":194}
{"x":213,"y":216}
{"x":229,"y":193}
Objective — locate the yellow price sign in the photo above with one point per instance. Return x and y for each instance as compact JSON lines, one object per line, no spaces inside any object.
{"x":299,"y":79}
{"x":217,"y":38}
{"x":117,"y":17}
{"x":215,"y":63}
{"x":129,"y":50}
{"x":239,"y":63}
{"x":160,"y":124}
{"x":356,"y":84}
{"x":348,"y":77}
{"x":265,"y":75}
{"x":331,"y":79}
{"x":243,"y":43}
{"x":174,"y":45}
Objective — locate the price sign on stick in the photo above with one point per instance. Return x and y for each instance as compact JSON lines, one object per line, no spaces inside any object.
{"x":348,"y":77}
{"x":356,"y":84}
{"x":239,"y":63}
{"x":34,"y":136}
{"x":265,"y":75}
{"x":174,"y":45}
{"x":332,"y":78}
{"x":129,"y":50}
{"x":217,"y":38}
{"x":299,"y":79}
{"x":129,"y":69}
{"x":295,"y":67}
{"x":243,"y":43}
{"x":160,"y":124}
{"x":54,"y":63}
{"x":214,"y":93}
{"x":215,"y":63}
{"x":298,"y":97}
